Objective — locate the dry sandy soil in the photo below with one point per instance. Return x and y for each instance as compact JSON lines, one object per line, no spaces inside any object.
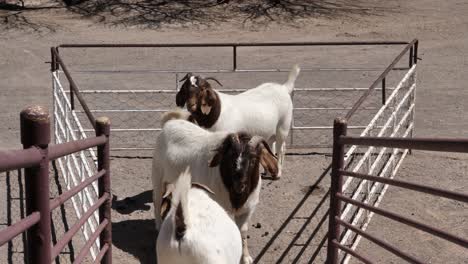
{"x":441,"y":27}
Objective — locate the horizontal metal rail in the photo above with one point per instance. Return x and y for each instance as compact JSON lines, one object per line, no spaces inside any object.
{"x":76,"y":227}
{"x":16,"y":159}
{"x":379,"y":242}
{"x":237,"y":70}
{"x":379,"y":79}
{"x":85,"y":249}
{"x":430,"y":144}
{"x":136,"y":91}
{"x":63,"y":149}
{"x":351,"y":252}
{"x":409,"y":185}
{"x":19,"y":227}
{"x":76,"y":189}
{"x":236,"y":44}
{"x":416,"y":224}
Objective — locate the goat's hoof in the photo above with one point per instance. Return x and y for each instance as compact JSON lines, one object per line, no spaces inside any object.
{"x":247,"y":260}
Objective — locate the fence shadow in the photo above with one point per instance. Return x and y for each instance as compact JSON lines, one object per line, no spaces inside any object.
{"x":322,"y":204}
{"x":136,"y":237}
{"x":131,"y":204}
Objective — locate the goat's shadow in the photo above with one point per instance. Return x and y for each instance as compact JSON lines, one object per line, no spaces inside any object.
{"x":130,"y":204}
{"x":136,"y":237}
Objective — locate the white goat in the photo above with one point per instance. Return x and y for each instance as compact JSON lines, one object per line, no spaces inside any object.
{"x":195,"y":228}
{"x":228,"y":163}
{"x":265,"y":110}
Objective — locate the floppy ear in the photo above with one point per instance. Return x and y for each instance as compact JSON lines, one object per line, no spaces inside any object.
{"x":203,"y":187}
{"x":228,"y":141}
{"x":268,"y":159}
{"x":216,"y":160}
{"x":168,"y":189}
{"x":166,"y":200}
{"x":207,"y":101}
{"x":182,"y":96}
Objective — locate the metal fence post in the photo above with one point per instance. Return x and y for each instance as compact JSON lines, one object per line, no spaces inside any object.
{"x":384,"y":92}
{"x":339,"y":129}
{"x":35,"y":132}
{"x":103,"y":128}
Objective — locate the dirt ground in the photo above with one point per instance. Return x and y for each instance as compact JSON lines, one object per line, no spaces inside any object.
{"x":289,"y":206}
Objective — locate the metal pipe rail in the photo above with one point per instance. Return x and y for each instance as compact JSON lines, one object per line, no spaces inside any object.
{"x":234,"y":44}
{"x":35,"y":157}
{"x":340,"y":140}
{"x":413,"y":58}
{"x":57,"y":61}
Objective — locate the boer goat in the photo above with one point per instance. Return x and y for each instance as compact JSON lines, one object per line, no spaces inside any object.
{"x":195,"y":228}
{"x":228,"y":163}
{"x":265,"y":111}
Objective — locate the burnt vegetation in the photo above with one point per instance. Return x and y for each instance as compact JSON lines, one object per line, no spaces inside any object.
{"x":185,"y":13}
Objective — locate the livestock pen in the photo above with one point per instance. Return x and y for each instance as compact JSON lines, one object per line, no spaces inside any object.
{"x":372,"y":84}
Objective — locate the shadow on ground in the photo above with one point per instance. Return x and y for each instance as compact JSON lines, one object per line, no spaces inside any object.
{"x":155,"y":13}
{"x":187,"y":13}
{"x":315,"y":189}
{"x":137,"y":238}
{"x":129,"y":205}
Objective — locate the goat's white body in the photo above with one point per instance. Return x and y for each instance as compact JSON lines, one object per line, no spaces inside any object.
{"x":183,"y":144}
{"x":211,"y":236}
{"x":265,"y":110}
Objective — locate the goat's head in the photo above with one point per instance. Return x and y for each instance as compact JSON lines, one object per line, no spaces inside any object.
{"x":239,"y":158}
{"x":197,"y":94}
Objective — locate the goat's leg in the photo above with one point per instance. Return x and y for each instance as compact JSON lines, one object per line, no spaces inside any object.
{"x":242,"y":222}
{"x":157,"y":198}
{"x":272,"y":144}
{"x":281,"y":150}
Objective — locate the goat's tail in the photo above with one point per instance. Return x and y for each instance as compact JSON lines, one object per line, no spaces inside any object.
{"x":175,"y":114}
{"x":180,"y":200}
{"x":292,"y":78}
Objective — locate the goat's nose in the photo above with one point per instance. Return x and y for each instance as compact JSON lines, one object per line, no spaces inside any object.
{"x":239,"y":188}
{"x":191,"y":107}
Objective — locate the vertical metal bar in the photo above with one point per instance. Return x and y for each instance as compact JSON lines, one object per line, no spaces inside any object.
{"x":234,"y":58}
{"x":53,"y":60}
{"x":411,"y":57}
{"x":35,"y":132}
{"x":415,"y":55}
{"x":103,"y":128}
{"x":384,"y":95}
{"x":339,"y":129}
{"x":72,"y":98}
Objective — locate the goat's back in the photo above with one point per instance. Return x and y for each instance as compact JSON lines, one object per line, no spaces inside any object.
{"x":211,"y":235}
{"x":258,"y":111}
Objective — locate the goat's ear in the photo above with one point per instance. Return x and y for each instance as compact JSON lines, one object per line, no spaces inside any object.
{"x":166,"y":199}
{"x":208,"y":100}
{"x":268,"y":159}
{"x":182,"y":96}
{"x":168,"y":189}
{"x":165,"y":207}
{"x":216,"y":160}
{"x":203,"y":187}
{"x":230,"y":140}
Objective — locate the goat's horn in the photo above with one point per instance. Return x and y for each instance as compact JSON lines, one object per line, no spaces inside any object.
{"x":214,"y":79}
{"x":188,"y":75}
{"x":255,"y":140}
